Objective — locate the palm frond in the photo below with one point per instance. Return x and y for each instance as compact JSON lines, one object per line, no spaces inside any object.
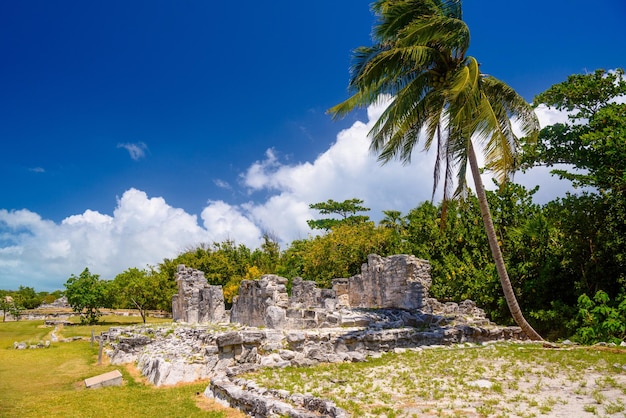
{"x":446,"y":33}
{"x":395,"y":15}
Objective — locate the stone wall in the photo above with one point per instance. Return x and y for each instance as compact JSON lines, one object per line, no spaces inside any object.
{"x":261,"y":302}
{"x":196,"y":300}
{"x":395,"y":282}
{"x":398,"y":282}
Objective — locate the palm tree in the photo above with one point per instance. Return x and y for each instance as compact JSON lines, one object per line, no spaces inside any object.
{"x":438,"y":95}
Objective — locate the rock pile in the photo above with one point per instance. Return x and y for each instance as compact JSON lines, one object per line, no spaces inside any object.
{"x":168,"y":355}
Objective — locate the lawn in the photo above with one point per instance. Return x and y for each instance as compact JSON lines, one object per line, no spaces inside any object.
{"x":50,"y":381}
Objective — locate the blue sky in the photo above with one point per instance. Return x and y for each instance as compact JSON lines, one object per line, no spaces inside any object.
{"x":132,"y":130}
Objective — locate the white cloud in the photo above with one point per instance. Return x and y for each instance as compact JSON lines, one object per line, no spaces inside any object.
{"x":223,"y":221}
{"x":141,"y":231}
{"x":136,"y":150}
{"x":346,"y":170}
{"x":145,"y":230}
{"x":222,"y":184}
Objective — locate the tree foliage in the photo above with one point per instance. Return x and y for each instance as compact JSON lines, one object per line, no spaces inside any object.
{"x":338,"y":253}
{"x":600,"y":319}
{"x":346,"y":210}
{"x":9,"y":306}
{"x":438,"y":96}
{"x":226,"y":263}
{"x":86,"y":294}
{"x":141,"y":289}
{"x":594,"y":140}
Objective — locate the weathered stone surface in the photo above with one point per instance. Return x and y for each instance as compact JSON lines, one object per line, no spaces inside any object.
{"x":252,"y":305}
{"x":229,"y":338}
{"x":113,"y":378}
{"x":186,"y":353}
{"x":398,"y":281}
{"x":260,"y":402}
{"x":196,"y":300}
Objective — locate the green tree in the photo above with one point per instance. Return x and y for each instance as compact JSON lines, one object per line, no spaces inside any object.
{"x":226,"y":263}
{"x":266,"y":258}
{"x":589,"y":252}
{"x":338,"y":253}
{"x":594,"y":140}
{"x":9,"y":306}
{"x":600,"y":319}
{"x":139,"y":289}
{"x":461,"y":268}
{"x":397,"y":223}
{"x":86,"y":294}
{"x":27,"y":297}
{"x":346,"y":210}
{"x":419,"y":59}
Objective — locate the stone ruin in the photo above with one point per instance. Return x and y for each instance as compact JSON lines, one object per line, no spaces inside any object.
{"x":395,"y":282}
{"x":196,"y":300}
{"x":386,"y":308}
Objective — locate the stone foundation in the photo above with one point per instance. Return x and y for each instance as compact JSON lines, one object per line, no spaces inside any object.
{"x":169,"y":355}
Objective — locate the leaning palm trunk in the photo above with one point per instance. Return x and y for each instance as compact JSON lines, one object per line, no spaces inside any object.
{"x":507,"y":288}
{"x":419,"y":60}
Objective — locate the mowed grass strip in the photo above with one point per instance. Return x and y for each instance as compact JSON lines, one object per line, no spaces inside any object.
{"x":50,"y":381}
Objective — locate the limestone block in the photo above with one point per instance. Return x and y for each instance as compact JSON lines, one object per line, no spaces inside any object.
{"x":113,"y":378}
{"x":228,"y":339}
{"x":275,"y":317}
{"x":196,"y":300}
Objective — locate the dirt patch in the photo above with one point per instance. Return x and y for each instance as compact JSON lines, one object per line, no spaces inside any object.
{"x":207,"y":404}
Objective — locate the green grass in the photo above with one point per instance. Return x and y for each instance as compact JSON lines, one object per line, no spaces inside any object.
{"x":433,"y":382}
{"x":50,"y":381}
{"x":105,"y":323}
{"x":521,"y":375}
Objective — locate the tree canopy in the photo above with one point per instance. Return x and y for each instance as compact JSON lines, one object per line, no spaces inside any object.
{"x":346,"y":210}
{"x":86,"y":294}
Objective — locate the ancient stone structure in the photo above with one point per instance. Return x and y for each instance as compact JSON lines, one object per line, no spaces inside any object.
{"x":396,"y":282}
{"x":385,"y":308}
{"x":170,"y":355}
{"x":197,"y":301}
{"x":262,"y":302}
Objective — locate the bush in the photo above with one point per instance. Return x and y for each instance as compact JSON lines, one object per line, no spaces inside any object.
{"x":600,"y":319}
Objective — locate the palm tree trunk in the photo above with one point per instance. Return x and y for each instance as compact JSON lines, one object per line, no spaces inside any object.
{"x":507,"y":288}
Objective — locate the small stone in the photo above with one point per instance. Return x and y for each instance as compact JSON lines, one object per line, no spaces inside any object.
{"x":481,"y":383}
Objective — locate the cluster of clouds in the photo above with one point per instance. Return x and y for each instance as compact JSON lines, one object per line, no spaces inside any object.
{"x":144,"y":230}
